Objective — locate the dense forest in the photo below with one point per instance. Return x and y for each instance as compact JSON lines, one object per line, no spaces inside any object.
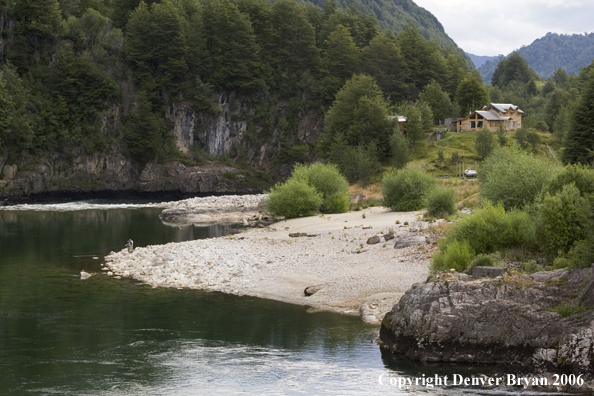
{"x":296,"y":80}
{"x":80,"y":76}
{"x":395,"y":15}
{"x":550,"y":52}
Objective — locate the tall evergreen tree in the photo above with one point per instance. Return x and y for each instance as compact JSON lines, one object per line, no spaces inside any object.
{"x":424,"y":60}
{"x":156,"y":48}
{"x":512,"y":68}
{"x":578,"y":145}
{"x":341,"y":56}
{"x":471,"y":95}
{"x":233,"y":54}
{"x":438,"y":100}
{"x":360,"y":113}
{"x":383,"y":60}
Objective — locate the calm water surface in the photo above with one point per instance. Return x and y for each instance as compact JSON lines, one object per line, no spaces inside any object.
{"x":60,"y":335}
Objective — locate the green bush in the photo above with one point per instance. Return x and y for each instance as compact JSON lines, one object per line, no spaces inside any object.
{"x":563,"y":219}
{"x":484,"y":143}
{"x":441,"y":202}
{"x":581,"y":255}
{"x":336,"y":203}
{"x":459,"y":255}
{"x":405,"y":190}
{"x":582,"y":176}
{"x":514,"y":177}
{"x":483,"y":260}
{"x":293,"y":198}
{"x":491,"y":228}
{"x":328,"y":181}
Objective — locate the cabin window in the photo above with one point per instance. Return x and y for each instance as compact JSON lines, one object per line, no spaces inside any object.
{"x":473,"y":124}
{"x":480,"y":124}
{"x":515,"y":124}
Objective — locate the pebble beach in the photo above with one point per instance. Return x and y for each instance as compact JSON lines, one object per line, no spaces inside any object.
{"x":331,"y":253}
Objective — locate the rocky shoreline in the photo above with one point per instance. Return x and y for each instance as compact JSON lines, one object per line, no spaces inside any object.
{"x":513,"y":320}
{"x":245,"y":209}
{"x":281,"y":260}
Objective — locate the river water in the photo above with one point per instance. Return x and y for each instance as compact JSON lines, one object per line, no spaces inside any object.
{"x":60,"y":335}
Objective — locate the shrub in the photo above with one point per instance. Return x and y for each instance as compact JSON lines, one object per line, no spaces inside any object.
{"x":491,"y":228}
{"x":483,"y":260}
{"x":458,"y":256}
{"x":328,"y":181}
{"x":399,"y":150}
{"x":405,"y":190}
{"x":336,"y":203}
{"x":484,"y":143}
{"x":441,"y":202}
{"x":581,"y":255}
{"x":514,"y":177}
{"x":563,"y":219}
{"x":580,"y":175}
{"x":355,"y":163}
{"x":293,"y":198}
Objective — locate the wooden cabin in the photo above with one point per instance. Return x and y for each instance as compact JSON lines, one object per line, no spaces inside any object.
{"x":491,"y":117}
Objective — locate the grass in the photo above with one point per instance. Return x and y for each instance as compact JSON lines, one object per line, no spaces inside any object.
{"x":567,"y":309}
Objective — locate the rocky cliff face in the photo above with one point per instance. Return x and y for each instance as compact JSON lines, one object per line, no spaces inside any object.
{"x":220,"y":135}
{"x":508,"y":320}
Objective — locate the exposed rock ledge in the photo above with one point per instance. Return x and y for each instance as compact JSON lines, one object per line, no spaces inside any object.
{"x":246,"y":209}
{"x":503,"y":321}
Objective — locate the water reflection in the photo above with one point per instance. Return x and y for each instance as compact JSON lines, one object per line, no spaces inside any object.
{"x":60,"y":334}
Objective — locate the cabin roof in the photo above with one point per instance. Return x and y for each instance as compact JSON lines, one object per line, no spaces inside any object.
{"x":504,"y":107}
{"x":489,"y":115}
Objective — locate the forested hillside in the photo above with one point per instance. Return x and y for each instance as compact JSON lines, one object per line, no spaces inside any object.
{"x":248,"y":80}
{"x":550,"y":52}
{"x":395,"y":15}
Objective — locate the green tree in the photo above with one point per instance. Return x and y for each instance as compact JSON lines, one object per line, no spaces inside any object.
{"x":15,"y":121}
{"x":484,"y":143}
{"x":424,"y":59}
{"x":156,"y":48}
{"x":512,"y":68}
{"x":383,"y":60}
{"x":414,"y":128}
{"x":578,"y":145}
{"x":37,"y":23}
{"x":233,"y":54}
{"x":438,"y":100}
{"x":143,"y":133}
{"x":471,"y":95}
{"x":398,"y":149}
{"x":293,"y":44}
{"x":457,"y":71}
{"x":360,"y":113}
{"x":341,"y":56}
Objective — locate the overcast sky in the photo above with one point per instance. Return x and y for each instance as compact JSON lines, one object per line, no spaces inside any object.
{"x":492,"y":28}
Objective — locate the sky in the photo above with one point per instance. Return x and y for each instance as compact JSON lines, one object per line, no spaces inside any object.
{"x":491,"y":28}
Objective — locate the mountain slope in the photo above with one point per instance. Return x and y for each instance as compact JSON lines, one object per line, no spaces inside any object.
{"x":548,"y":53}
{"x":395,"y":15}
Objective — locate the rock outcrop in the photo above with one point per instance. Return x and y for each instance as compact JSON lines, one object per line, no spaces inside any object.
{"x":230,"y":133}
{"x":511,"y":320}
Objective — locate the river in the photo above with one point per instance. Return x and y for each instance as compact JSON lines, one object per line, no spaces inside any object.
{"x":60,"y":335}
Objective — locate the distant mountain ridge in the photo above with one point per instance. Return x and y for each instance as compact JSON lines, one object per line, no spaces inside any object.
{"x":479,"y":60}
{"x":548,"y":53}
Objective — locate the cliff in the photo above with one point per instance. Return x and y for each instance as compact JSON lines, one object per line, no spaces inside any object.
{"x":226,"y":135}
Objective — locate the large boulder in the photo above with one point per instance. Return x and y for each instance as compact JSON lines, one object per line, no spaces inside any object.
{"x":508,"y":320}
